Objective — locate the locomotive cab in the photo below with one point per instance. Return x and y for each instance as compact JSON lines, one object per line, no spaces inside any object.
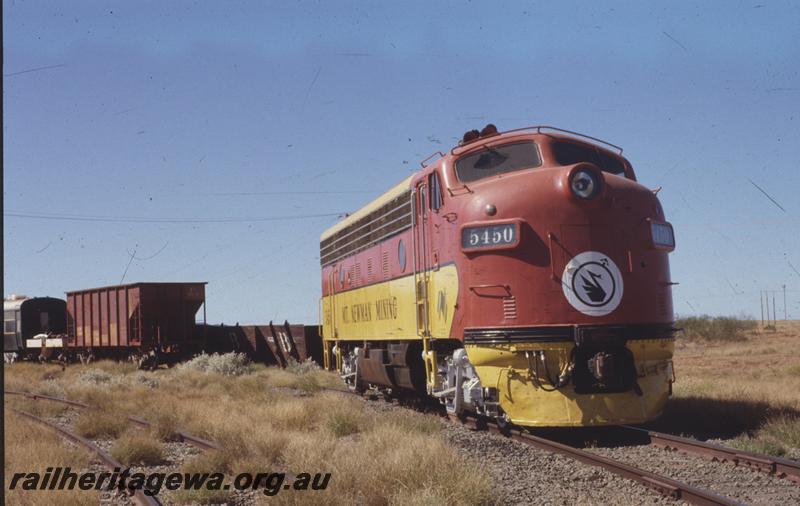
{"x":568,"y":312}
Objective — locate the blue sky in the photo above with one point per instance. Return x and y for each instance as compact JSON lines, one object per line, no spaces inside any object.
{"x":213,"y":110}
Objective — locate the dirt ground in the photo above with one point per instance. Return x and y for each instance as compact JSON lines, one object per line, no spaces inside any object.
{"x":747,"y":391}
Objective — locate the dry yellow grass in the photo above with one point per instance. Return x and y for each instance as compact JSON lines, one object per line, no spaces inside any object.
{"x":763,"y":367}
{"x":138,"y":448}
{"x":30,"y":448}
{"x":277,"y":420}
{"x":389,"y":464}
{"x":100,"y":424}
{"x":748,"y":390}
{"x":205,"y":463}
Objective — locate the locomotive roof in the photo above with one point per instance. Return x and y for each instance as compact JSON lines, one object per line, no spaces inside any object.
{"x":400,"y":188}
{"x":393,"y":193}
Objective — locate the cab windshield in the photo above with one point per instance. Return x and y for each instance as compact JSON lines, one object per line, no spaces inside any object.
{"x":494,"y":160}
{"x":570,"y":153}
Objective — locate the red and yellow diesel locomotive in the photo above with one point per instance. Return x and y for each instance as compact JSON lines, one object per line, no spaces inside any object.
{"x":523,"y":276}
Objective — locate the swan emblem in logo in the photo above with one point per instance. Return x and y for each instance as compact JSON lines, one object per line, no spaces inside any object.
{"x":592,"y":283}
{"x":441,"y":306}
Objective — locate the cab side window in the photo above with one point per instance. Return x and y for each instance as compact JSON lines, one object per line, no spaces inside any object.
{"x":436,"y":200}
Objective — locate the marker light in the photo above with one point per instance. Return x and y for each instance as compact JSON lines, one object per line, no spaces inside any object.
{"x":662,"y":235}
{"x":585,"y":183}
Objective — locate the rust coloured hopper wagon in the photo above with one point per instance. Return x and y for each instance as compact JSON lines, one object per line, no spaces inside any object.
{"x":144,"y":319}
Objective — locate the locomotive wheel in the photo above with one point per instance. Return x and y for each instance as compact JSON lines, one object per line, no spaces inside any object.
{"x":503,"y":424}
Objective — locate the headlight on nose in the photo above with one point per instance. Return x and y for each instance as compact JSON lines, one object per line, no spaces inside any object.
{"x":585,"y":183}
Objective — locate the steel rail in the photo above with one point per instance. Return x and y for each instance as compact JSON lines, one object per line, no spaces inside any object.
{"x":108,"y":461}
{"x":663,"y":485}
{"x":776,"y":466}
{"x":36,"y":397}
{"x":182,"y":436}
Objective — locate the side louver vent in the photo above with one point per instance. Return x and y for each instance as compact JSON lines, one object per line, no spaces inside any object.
{"x":510,"y":308}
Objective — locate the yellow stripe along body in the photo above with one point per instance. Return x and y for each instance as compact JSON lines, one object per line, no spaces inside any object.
{"x":385,"y":311}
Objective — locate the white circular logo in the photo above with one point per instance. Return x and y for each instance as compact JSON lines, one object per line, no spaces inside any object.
{"x":592,"y":283}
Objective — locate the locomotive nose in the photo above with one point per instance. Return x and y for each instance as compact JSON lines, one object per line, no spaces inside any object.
{"x":589,"y":188}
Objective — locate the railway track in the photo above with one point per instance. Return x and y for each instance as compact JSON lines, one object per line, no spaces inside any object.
{"x":668,"y":487}
{"x":663,"y":485}
{"x":775,"y":466}
{"x":182,"y":436}
{"x":139,"y":496}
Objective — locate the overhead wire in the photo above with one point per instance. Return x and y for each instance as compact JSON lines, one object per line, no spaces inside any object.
{"x":345,"y":192}
{"x":139,"y":219}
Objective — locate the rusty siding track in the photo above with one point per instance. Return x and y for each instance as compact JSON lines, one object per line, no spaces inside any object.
{"x":776,"y":466}
{"x":182,"y":436}
{"x":36,"y":397}
{"x":108,"y":461}
{"x":185,"y":437}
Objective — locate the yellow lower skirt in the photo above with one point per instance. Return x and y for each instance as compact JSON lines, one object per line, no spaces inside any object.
{"x":505,"y":368}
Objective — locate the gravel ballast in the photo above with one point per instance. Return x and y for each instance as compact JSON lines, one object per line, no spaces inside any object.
{"x":749,"y":486}
{"x":528,"y":475}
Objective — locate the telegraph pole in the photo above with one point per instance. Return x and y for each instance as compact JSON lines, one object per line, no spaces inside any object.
{"x":761,"y":300}
{"x":774,"y":323}
{"x":784,"y":304}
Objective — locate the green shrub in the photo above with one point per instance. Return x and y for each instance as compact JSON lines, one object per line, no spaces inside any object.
{"x":141,"y":378}
{"x":228,"y":364}
{"x":97,"y":377}
{"x":343,"y":423}
{"x":715,"y":328}
{"x":304,"y":367}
